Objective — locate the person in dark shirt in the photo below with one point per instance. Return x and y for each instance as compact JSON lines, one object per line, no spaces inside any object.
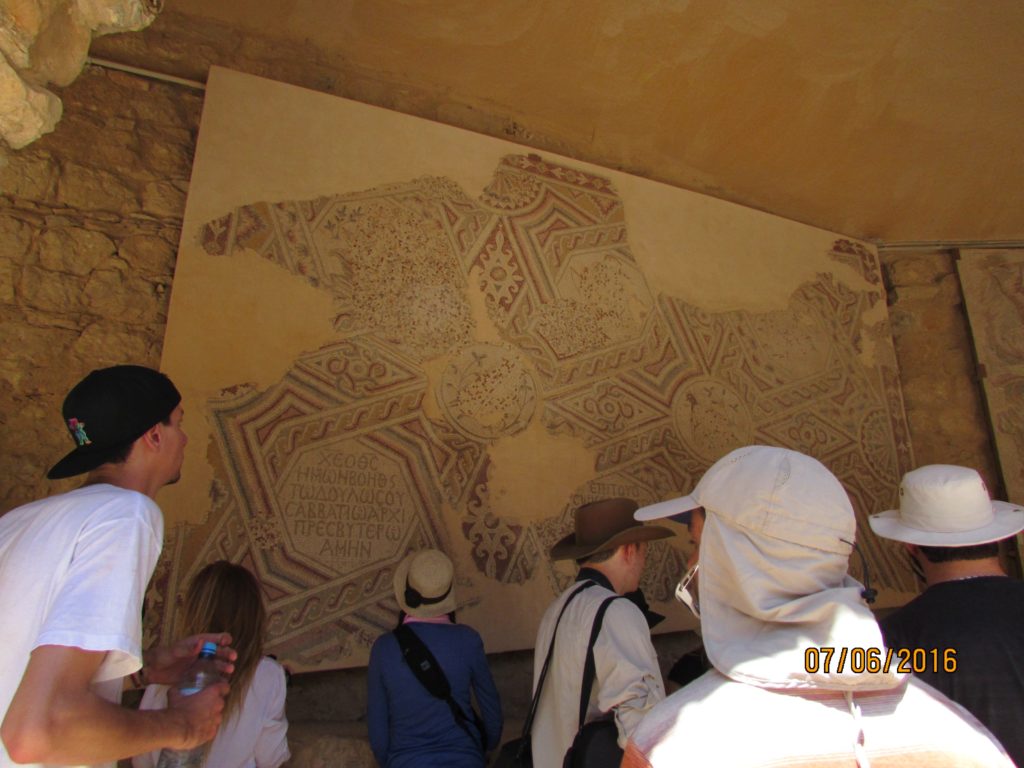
{"x":965,"y":633}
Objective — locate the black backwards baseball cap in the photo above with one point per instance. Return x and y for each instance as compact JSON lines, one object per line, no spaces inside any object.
{"x":110,"y":409}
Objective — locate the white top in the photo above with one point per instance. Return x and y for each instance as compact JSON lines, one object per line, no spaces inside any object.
{"x":73,"y":572}
{"x":627,"y":680}
{"x":255,"y":736}
{"x":715,"y":721}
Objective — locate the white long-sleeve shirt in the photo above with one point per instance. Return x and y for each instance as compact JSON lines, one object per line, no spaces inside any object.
{"x":255,"y":736}
{"x":627,"y":681}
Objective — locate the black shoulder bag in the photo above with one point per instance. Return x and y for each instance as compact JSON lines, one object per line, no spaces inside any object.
{"x":518,"y":753}
{"x":596,"y":744}
{"x":426,"y":669}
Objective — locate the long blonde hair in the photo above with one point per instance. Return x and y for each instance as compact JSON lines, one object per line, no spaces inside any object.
{"x":224,"y":597}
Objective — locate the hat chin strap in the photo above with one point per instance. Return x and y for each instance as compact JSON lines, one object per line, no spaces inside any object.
{"x":414,"y":599}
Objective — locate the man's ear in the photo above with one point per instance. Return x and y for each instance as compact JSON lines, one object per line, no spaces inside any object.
{"x":153,"y":437}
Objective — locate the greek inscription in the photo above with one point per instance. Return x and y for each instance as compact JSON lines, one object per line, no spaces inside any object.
{"x":346,"y":507}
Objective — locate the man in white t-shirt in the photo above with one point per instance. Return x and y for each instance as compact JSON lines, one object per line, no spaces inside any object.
{"x":73,"y":575}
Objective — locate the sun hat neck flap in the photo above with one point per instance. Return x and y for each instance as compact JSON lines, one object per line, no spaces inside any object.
{"x":942,"y":505}
{"x":764,"y":602}
{"x":424,"y":584}
{"x":601,"y":526}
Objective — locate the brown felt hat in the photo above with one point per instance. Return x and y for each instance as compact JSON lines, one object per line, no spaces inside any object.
{"x":601,"y":526}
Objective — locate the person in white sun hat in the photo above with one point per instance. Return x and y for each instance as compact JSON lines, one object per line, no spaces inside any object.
{"x":694,"y":662}
{"x":951,"y":530}
{"x":799,"y":673}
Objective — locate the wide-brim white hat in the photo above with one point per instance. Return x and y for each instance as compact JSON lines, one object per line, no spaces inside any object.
{"x":947,"y":506}
{"x":424,"y":584}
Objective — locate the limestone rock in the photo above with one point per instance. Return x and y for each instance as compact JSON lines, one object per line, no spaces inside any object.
{"x":92,"y":189}
{"x":47,"y":41}
{"x":164,"y":198}
{"x":74,"y":250}
{"x":26,"y":112}
{"x":149,"y":255}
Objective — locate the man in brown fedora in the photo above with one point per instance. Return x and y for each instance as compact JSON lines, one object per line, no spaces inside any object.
{"x":611,"y":548}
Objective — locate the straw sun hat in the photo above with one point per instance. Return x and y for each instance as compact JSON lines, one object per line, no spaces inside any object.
{"x":423,"y":584}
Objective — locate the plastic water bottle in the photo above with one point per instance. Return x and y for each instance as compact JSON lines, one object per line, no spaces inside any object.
{"x":202,"y":673}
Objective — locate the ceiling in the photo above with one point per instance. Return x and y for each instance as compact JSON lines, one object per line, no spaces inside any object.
{"x":897,"y":121}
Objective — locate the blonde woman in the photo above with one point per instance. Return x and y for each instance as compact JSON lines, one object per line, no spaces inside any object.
{"x":224,"y":597}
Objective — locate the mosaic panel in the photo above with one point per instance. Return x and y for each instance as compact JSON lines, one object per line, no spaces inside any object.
{"x":465,"y":323}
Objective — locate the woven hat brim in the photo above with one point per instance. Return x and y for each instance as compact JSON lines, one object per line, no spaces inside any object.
{"x":1007,"y":520}
{"x":424,"y":611}
{"x":567,"y":548}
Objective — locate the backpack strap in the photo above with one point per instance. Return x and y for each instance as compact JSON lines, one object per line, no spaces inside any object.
{"x":590,"y":666}
{"x":547,"y":659}
{"x":427,"y":670}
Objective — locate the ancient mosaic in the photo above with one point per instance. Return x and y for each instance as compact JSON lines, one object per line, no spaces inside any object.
{"x":993,"y":286}
{"x":384,"y":439}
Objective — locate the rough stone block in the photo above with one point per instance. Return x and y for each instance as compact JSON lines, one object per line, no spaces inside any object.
{"x":919,"y":269}
{"x":112,"y":294}
{"x":149,"y":255}
{"x":6,"y":281}
{"x":108,"y":342}
{"x":50,"y":291}
{"x":74,"y":250}
{"x":29,"y":175}
{"x":87,"y":137}
{"x":91,"y":189}
{"x":164,"y":198}
{"x":15,"y":241}
{"x":164,"y":157}
{"x":323,"y":745}
{"x":160,"y":109}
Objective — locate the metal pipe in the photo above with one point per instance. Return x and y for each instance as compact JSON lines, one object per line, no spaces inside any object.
{"x":922,"y":245}
{"x":106,"y":64}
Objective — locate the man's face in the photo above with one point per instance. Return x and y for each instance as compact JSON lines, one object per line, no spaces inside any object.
{"x":176,"y":440}
{"x":639,"y":562}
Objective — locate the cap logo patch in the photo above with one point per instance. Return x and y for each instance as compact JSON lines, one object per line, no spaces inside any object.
{"x":77,"y":429}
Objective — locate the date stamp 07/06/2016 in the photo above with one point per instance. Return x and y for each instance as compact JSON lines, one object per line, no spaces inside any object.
{"x":828,"y":660}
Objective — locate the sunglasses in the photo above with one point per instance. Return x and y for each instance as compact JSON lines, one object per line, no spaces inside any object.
{"x":683,"y":593}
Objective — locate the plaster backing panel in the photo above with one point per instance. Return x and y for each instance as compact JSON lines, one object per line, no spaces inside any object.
{"x":481,"y":339}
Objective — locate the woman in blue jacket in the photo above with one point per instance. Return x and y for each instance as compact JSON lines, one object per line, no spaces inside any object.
{"x":409,"y":726}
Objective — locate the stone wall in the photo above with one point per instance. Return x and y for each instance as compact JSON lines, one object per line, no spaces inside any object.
{"x":942,"y":395}
{"x":89,"y":222}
